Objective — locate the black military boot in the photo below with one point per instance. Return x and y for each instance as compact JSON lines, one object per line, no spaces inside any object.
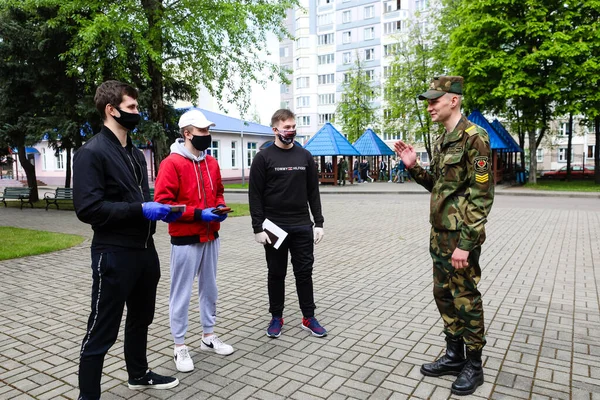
{"x":449,"y":364}
{"x":471,"y":376}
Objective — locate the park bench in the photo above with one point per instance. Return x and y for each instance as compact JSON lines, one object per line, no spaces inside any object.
{"x":59,"y":194}
{"x":17,"y":193}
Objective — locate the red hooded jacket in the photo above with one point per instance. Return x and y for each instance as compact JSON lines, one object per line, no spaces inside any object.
{"x":195,"y":182}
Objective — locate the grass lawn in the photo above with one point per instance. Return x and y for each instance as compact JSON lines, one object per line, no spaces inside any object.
{"x":235,"y":186}
{"x":17,"y":242}
{"x":564,"y":186}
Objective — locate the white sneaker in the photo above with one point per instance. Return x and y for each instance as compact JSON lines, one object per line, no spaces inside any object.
{"x":213,"y":343}
{"x":182,"y":359}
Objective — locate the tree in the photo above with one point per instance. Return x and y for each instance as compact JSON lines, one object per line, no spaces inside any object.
{"x":167,"y":48}
{"x":506,"y":51}
{"x":355,"y":111}
{"x":418,"y":57}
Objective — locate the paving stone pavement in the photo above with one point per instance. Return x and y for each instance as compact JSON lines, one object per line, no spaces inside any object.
{"x":373,"y":289}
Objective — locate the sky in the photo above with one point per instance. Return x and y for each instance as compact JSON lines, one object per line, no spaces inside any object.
{"x":265,"y":100}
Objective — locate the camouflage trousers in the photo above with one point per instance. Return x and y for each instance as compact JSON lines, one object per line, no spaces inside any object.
{"x":455,"y":290}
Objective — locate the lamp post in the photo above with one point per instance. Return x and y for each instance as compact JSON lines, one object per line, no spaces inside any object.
{"x":242,"y":151}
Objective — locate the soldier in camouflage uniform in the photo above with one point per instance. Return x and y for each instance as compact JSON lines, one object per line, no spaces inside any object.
{"x":462,"y":192}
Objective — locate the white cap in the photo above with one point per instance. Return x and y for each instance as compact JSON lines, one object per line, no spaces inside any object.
{"x":195,"y":118}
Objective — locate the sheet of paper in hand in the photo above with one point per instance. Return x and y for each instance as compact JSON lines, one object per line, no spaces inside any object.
{"x":276,"y":234}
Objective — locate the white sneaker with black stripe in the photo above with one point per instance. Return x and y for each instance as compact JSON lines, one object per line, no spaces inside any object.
{"x":183,"y":361}
{"x":213,"y":343}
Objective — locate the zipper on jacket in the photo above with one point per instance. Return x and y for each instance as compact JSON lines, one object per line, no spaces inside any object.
{"x":204,"y":193}
{"x":139,"y":183}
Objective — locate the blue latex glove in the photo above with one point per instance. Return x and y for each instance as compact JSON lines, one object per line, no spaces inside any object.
{"x":209,"y":216}
{"x":155,"y":211}
{"x":172,"y":216}
{"x":222,"y":217}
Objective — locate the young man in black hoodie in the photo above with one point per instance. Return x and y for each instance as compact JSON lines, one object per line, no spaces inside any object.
{"x":283,"y":183}
{"x":111,"y":193}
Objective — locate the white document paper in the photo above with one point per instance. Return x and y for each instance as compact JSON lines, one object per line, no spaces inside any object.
{"x":270,"y":227}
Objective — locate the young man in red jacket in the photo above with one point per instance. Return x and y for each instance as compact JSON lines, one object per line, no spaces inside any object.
{"x":190,"y":177}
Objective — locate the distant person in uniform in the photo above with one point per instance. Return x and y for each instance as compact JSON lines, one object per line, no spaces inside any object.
{"x":342,"y":169}
{"x":462,"y":193}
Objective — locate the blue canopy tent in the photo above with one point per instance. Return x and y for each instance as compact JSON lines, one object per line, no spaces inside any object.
{"x":369,"y":144}
{"x":498,"y":145}
{"x":328,"y":141}
{"x":511,"y":153}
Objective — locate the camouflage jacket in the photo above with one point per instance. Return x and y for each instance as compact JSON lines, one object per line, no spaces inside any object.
{"x":461,"y":182}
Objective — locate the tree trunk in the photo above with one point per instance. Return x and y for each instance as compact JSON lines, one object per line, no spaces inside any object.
{"x":29,"y":172}
{"x":569,"y":147}
{"x":154,"y":13}
{"x":68,"y":169}
{"x":532,"y":157}
{"x":597,"y":150}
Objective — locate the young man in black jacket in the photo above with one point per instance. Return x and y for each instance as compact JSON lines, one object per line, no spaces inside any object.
{"x":111,"y":193}
{"x":283,"y":183}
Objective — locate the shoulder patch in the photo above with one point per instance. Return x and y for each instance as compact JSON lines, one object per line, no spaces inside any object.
{"x":472,"y":130}
{"x":481,"y":164}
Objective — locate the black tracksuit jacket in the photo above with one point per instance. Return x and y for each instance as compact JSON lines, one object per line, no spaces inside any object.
{"x":110,"y":183}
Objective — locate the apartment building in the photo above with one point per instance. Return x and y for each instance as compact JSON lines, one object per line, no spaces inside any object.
{"x":329,"y":35}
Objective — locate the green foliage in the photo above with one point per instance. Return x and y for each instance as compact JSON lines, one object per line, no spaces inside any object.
{"x":419,"y":55}
{"x":524,"y":59}
{"x":355,"y":111}
{"x":17,"y":242}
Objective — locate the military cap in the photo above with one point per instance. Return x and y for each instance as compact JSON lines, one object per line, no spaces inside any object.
{"x":440,"y":85}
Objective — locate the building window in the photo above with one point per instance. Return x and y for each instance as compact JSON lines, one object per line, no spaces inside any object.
{"x":302,"y":82}
{"x":347,"y":57}
{"x":369,"y":54}
{"x":60,"y":159}
{"x":540,"y":155}
{"x":326,"y":79}
{"x":213,"y":150}
{"x":303,"y":101}
{"x":564,"y":129}
{"x":328,"y":98}
{"x":388,"y":70}
{"x":392,"y":5}
{"x":325,"y":39}
{"x":302,"y":43}
{"x":285,"y":88}
{"x":233,"y":154}
{"x":346,"y":17}
{"x":284,"y":52}
{"x":325,"y":2}
{"x":303,"y":120}
{"x":346,"y":37}
{"x":369,"y":12}
{"x":44,"y":160}
{"x":591,"y":149}
{"x":370,"y":74}
{"x":323,"y":118}
{"x":369,"y":33}
{"x":325,"y":19}
{"x":285,"y":104}
{"x":424,"y":157}
{"x":421,"y":4}
{"x":391,"y":49}
{"x":347,"y":76}
{"x":251,"y":146}
{"x":326,"y":59}
{"x":562,"y":154}
{"x":393,"y":27}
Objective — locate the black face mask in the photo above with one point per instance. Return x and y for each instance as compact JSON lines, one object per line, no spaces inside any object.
{"x":127,"y":120}
{"x":201,"y":142}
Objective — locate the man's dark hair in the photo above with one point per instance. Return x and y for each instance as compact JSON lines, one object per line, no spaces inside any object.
{"x":112,"y":92}
{"x":282,"y":114}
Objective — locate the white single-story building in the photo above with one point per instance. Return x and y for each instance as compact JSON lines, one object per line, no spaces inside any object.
{"x":234,"y":144}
